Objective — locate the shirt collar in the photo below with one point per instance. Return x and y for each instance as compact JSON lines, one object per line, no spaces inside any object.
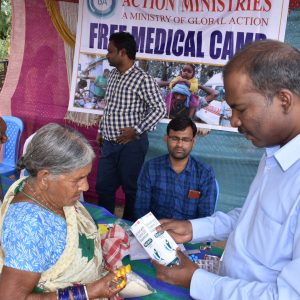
{"x":187,"y":168}
{"x":287,"y":155}
{"x":128,"y":71}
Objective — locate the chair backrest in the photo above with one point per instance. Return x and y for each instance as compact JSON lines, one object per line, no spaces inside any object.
{"x":14,"y":131}
{"x":27,"y":141}
{"x":217,"y":194}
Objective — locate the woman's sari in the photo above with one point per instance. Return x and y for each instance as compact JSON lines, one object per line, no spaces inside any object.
{"x":76,"y":264}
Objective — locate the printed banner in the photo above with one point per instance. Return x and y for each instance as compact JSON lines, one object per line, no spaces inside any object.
{"x":168,"y":32}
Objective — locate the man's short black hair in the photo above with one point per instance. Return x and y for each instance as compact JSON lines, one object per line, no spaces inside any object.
{"x":271,"y":65}
{"x":180,"y":124}
{"x":124,"y":40}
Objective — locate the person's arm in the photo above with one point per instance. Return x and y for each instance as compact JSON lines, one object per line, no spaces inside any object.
{"x":173,"y":82}
{"x":17,"y":284}
{"x":178,"y":79}
{"x":215,"y":228}
{"x":163,"y":83}
{"x":3,"y":137}
{"x":143,"y":195}
{"x":284,"y":286}
{"x":192,"y":111}
{"x":99,"y":137}
{"x":209,"y":286}
{"x":156,"y":108}
{"x":211,"y":93}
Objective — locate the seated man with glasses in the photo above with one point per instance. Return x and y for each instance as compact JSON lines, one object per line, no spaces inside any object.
{"x":176,"y":185}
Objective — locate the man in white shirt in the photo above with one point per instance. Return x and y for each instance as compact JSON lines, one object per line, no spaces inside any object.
{"x":262,"y":254}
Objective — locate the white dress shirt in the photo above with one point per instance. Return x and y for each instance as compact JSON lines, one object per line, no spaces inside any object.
{"x":262,"y":256}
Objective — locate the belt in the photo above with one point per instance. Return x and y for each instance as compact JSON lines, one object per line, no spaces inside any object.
{"x":137,"y":137}
{"x":111,"y":141}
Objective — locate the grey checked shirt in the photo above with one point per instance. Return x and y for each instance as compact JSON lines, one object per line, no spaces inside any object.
{"x":133,"y":99}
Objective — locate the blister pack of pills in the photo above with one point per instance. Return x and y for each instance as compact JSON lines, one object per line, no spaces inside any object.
{"x":210,"y":263}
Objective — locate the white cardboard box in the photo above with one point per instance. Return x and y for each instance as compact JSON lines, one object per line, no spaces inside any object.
{"x":159,"y":245}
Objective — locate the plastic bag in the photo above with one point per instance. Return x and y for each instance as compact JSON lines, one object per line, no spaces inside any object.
{"x":136,"y":287}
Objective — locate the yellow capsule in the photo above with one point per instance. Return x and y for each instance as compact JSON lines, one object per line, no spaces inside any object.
{"x":122,"y":284}
{"x":102,"y":228}
{"x":123,"y":271}
{"x":119,"y":273}
{"x":128,"y":269}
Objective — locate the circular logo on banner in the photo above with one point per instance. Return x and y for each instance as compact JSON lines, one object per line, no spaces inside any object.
{"x":101,"y":8}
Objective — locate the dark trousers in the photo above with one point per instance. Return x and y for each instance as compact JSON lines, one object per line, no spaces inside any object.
{"x":120,"y":165}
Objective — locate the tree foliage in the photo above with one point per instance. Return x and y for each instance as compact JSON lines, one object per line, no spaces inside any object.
{"x":5,"y":28}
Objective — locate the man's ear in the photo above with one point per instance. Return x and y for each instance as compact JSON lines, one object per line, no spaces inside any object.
{"x":123,"y":52}
{"x":286,"y":98}
{"x":42,"y":178}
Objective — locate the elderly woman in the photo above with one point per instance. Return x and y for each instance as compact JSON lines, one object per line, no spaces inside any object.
{"x":50,"y":247}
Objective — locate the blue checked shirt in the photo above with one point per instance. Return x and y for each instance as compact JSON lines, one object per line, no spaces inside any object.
{"x":133,"y":99}
{"x":166,"y":194}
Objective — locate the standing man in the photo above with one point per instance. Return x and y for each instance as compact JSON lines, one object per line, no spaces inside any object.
{"x":177,"y":185}
{"x":262,"y":255}
{"x":133,"y":106}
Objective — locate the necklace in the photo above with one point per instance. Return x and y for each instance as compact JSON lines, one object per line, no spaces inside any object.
{"x":40,"y":202}
{"x":36,"y":202}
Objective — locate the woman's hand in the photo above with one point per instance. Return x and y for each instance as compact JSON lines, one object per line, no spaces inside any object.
{"x":103,"y":288}
{"x":180,"y":274}
{"x":181,"y":231}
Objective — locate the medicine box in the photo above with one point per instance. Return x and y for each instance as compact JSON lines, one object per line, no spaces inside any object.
{"x":159,"y":245}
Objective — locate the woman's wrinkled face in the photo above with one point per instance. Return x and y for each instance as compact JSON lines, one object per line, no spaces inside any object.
{"x":65,"y":189}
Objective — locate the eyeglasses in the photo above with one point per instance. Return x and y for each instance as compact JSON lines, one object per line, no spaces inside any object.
{"x":177,"y":139}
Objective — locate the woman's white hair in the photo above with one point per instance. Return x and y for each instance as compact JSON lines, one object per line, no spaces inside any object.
{"x":58,"y":149}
